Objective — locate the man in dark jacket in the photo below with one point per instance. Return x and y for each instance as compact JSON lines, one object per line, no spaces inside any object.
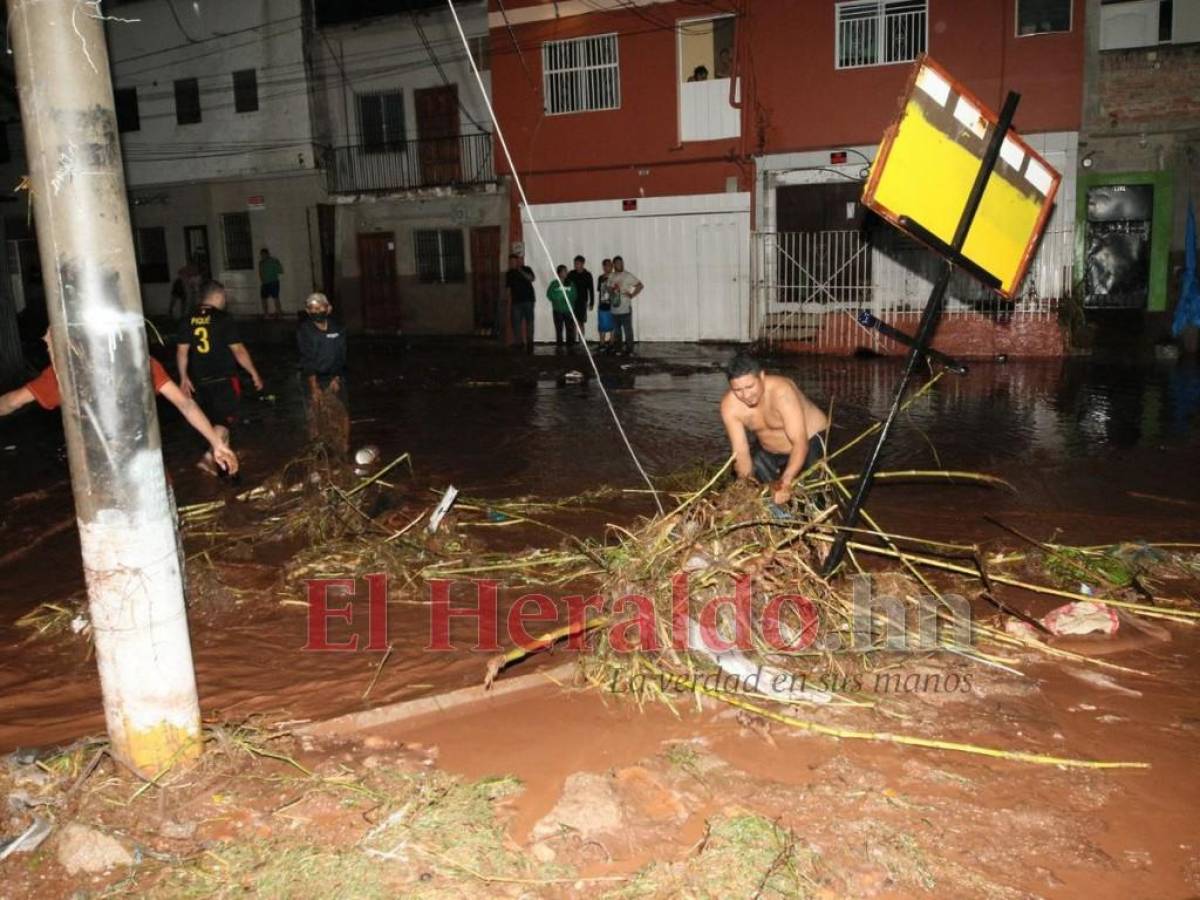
{"x":585,"y":294}
{"x":322,"y":345}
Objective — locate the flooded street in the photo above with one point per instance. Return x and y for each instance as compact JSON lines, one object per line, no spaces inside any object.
{"x":1095,"y":452}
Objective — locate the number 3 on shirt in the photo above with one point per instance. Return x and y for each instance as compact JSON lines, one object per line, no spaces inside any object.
{"x":201,"y":333}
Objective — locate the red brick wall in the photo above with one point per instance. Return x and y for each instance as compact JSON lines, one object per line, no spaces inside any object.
{"x":1159,"y":87}
{"x":965,"y":337}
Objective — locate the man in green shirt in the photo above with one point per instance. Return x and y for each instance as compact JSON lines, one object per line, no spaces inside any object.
{"x":269,"y":270}
{"x":562,"y":297}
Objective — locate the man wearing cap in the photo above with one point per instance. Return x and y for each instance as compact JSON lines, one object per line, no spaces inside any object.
{"x":321,"y":341}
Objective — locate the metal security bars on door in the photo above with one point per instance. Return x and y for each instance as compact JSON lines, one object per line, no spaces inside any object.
{"x":802,"y":276}
{"x":808,"y":287}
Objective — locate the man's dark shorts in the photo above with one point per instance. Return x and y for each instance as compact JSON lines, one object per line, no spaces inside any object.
{"x":768,"y":466}
{"x":269,"y":289}
{"x":521,"y":312}
{"x":220,"y":399}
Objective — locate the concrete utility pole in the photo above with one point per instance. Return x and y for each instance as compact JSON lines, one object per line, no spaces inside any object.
{"x":126,"y":527}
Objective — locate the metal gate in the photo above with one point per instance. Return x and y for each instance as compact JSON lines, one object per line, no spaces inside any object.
{"x":809,"y":286}
{"x":801,"y":278}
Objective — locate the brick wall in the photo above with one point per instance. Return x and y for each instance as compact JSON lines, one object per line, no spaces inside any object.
{"x":962,"y":336}
{"x":1157,"y":89}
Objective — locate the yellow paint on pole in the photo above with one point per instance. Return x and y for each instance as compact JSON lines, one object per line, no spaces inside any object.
{"x":152,"y":751}
{"x":928,"y":161}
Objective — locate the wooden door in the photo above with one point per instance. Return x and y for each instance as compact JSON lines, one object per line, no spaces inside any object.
{"x":377,"y":281}
{"x":437,"y":133}
{"x":485,"y":275}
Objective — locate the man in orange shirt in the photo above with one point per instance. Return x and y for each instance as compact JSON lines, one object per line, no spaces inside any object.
{"x":44,"y":389}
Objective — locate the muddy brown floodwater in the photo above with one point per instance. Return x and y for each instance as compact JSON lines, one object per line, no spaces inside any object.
{"x":1096,"y":451}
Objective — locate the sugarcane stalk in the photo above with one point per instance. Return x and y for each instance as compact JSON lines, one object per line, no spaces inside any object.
{"x":907,"y":739}
{"x":1178,"y":615}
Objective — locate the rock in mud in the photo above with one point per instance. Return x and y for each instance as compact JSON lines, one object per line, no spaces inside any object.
{"x":178,"y":831}
{"x":587,"y":806}
{"x":83,"y":849}
{"x":648,"y":798}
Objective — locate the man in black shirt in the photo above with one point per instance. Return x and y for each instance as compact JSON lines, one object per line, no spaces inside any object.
{"x":322,"y":345}
{"x":518,"y":282}
{"x":208,"y":355}
{"x":585,"y":295}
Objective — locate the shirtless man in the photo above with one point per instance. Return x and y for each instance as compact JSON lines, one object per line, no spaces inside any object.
{"x":788,"y":428}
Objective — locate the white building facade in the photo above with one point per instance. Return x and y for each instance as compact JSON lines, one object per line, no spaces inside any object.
{"x":417,"y":223}
{"x":216,"y":129}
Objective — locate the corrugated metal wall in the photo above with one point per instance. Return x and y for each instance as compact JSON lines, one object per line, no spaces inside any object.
{"x":691,"y":253}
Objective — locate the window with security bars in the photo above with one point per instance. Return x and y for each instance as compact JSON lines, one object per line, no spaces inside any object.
{"x":381,"y":121}
{"x":879,"y":32}
{"x":439,"y":256}
{"x":581,"y":75}
{"x":239,"y":246}
{"x":152,"y":256}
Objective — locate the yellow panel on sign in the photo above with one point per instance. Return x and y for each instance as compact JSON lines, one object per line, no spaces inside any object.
{"x":928,"y":162}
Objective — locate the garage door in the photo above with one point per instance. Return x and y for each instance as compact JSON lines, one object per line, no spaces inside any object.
{"x":690,"y":252}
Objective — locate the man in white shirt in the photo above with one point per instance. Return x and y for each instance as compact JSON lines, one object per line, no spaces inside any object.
{"x":622,"y":287}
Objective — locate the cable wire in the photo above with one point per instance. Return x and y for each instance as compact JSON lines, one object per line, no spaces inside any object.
{"x":550,"y":259}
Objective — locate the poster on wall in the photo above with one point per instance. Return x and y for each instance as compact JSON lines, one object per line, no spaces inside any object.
{"x":1117,"y":246}
{"x":927,"y":163}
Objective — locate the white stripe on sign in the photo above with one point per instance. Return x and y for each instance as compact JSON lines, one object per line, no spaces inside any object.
{"x":934,"y":85}
{"x":965,"y":112}
{"x":1012,"y":154}
{"x":1037,"y":175}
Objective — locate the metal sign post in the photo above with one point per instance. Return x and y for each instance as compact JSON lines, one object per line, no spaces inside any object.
{"x":929,"y":318}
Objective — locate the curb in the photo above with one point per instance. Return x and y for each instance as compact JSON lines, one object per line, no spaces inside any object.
{"x":436,"y":703}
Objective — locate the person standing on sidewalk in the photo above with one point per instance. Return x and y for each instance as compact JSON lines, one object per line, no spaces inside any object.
{"x":585,"y":293}
{"x":562,"y":301}
{"x":622,"y":287}
{"x":518,"y":284}
{"x":269,"y":270}
{"x":208,"y":355}
{"x":604,"y":316}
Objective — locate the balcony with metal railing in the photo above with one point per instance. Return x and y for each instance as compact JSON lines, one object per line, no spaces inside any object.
{"x":381,"y":167}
